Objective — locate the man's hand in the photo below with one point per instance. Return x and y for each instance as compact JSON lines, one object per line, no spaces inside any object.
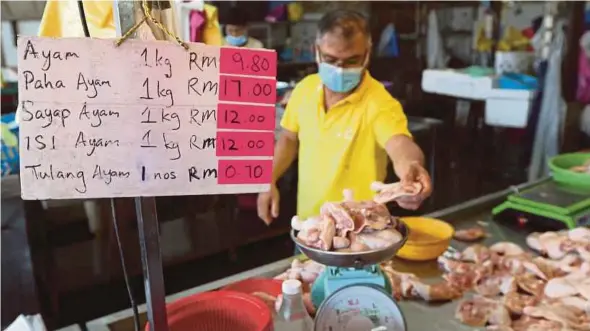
{"x":415,"y":173}
{"x":268,"y":204}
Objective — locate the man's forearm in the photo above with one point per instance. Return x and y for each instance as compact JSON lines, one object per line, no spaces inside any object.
{"x":285,"y":153}
{"x":403,"y":152}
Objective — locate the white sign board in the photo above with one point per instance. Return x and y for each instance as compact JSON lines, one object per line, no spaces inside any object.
{"x":143,"y":119}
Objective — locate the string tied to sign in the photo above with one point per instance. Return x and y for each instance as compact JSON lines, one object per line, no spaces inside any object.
{"x":147,"y":15}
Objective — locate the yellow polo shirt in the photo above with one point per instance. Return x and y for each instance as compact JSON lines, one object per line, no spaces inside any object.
{"x":344,"y":146}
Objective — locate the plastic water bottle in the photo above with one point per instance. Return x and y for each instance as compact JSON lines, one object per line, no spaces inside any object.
{"x":292,"y":315}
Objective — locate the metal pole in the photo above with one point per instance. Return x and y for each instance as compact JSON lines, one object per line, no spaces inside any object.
{"x":151,"y":261}
{"x":145,"y":208}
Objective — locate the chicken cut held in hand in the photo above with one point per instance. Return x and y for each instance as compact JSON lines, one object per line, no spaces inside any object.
{"x":392,"y":192}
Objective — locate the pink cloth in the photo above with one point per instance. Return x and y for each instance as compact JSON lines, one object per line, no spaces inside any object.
{"x":197,"y":22}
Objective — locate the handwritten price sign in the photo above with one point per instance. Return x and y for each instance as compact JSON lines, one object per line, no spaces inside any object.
{"x":245,"y":171}
{"x":187,"y":122}
{"x":245,"y":143}
{"x":239,"y":61}
{"x":247,"y":89}
{"x":245,"y":117}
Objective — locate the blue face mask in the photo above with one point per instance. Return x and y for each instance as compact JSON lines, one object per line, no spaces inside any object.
{"x":236,"y":41}
{"x":340,"y":80}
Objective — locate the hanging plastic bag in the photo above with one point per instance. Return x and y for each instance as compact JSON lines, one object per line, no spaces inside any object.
{"x":388,"y":45}
{"x":436,"y":57}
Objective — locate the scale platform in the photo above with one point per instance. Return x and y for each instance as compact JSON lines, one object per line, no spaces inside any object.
{"x":549,"y":201}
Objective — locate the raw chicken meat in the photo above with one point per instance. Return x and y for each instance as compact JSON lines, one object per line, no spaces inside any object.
{"x":548,"y":293}
{"x":476,"y":253}
{"x":401,"y":283}
{"x":471,"y":234}
{"x":304,"y":225}
{"x":340,"y":243}
{"x":515,"y":302}
{"x":489,"y":285}
{"x":560,"y":288}
{"x":319,"y":235}
{"x":533,"y":240}
{"x":406,"y":285}
{"x":572,"y":284}
{"x":454,"y":266}
{"x":306,"y":272}
{"x":348,"y":226}
{"x":481,"y":311}
{"x":392,"y":192}
{"x":357,"y":215}
{"x":379,"y":239}
{"x":556,"y":245}
{"x":566,"y":316}
{"x":442,"y":291}
{"x":506,"y":249}
{"x":344,"y":222}
{"x":530,"y":284}
{"x":368,"y":214}
{"x":527,"y":323}
{"x":579,"y":234}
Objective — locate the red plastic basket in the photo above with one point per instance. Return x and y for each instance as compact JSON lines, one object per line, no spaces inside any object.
{"x":218,"y":311}
{"x":251,"y":285}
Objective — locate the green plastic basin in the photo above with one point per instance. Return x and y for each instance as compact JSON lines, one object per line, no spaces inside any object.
{"x":561,"y":164}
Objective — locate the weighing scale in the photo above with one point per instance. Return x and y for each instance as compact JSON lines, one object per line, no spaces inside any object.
{"x":353,"y":293}
{"x":360,"y":307}
{"x":550,"y":201}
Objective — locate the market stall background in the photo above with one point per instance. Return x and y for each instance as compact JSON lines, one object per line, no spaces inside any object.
{"x":75,"y":261}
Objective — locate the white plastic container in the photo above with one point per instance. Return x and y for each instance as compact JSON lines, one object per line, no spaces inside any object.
{"x":456,"y":84}
{"x":508,"y":108}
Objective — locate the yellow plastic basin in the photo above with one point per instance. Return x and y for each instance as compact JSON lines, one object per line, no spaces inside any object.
{"x":428,"y":238}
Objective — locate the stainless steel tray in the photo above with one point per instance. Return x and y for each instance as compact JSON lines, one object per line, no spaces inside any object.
{"x":352,"y":260}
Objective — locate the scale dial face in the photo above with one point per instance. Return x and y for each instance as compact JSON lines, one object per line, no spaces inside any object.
{"x":359,"y":308}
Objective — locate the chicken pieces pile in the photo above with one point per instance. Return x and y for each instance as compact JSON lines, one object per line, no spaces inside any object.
{"x":355,"y":226}
{"x":517,"y":291}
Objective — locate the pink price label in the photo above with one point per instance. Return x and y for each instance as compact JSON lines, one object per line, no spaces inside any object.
{"x":243,"y":61}
{"x":244,"y":171}
{"x":247,"y":89}
{"x":232,"y":116}
{"x":244,"y":143}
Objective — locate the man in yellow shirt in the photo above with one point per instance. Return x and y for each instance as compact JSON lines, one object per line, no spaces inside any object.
{"x":343,"y":125}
